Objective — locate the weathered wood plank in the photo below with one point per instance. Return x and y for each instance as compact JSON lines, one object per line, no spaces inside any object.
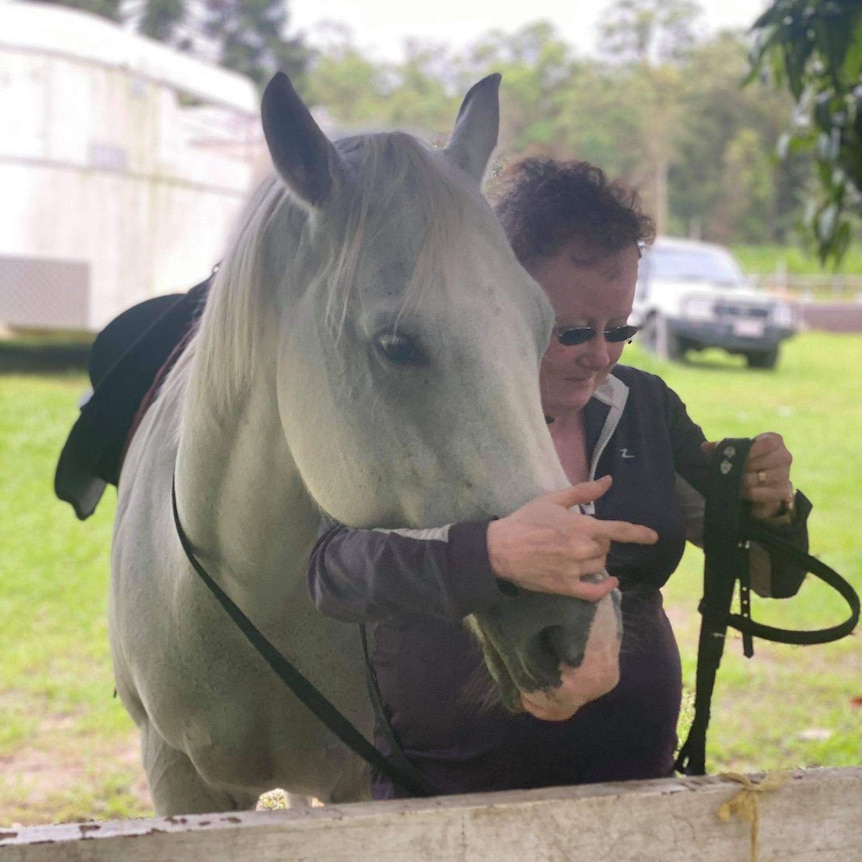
{"x":816,"y":816}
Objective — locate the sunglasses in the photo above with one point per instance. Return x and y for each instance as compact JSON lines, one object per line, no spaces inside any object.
{"x":582,"y":334}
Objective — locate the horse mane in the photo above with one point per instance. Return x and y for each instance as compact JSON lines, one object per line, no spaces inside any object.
{"x":276,"y":230}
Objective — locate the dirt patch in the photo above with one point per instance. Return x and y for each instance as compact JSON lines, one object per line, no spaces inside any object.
{"x":60,"y":776}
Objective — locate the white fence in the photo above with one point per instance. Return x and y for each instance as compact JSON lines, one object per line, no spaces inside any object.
{"x":814,"y":816}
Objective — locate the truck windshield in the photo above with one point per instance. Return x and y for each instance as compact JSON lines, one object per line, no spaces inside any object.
{"x":701,"y":264}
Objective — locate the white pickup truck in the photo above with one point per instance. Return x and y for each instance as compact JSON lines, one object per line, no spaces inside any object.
{"x":692,"y":295}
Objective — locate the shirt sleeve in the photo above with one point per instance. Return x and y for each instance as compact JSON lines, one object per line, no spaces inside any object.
{"x":398,"y":575}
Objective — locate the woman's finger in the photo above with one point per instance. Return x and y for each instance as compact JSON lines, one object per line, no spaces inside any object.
{"x":768,"y":450}
{"x":623,"y":531}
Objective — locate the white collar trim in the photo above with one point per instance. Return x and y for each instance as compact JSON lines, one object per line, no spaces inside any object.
{"x":612,"y":391}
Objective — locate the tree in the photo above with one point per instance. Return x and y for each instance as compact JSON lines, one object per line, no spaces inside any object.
{"x":422,"y":97}
{"x":654,"y":37}
{"x":815,"y":51}
{"x":652,"y":32}
{"x":539,"y":72}
{"x":250,"y":35}
{"x":601,"y":120}
{"x":359,"y":93}
{"x":161,"y":19}
{"x":726,"y":182}
{"x":350,"y":86}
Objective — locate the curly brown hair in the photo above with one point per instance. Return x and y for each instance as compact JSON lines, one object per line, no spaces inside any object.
{"x":543,"y":204}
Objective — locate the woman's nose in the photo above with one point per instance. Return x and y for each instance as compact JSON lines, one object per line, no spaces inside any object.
{"x":596,"y":353}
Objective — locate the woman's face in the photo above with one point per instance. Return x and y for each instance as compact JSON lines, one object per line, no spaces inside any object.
{"x":584,"y":290}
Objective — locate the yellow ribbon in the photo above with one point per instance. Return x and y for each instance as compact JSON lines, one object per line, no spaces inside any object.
{"x":744,"y":804}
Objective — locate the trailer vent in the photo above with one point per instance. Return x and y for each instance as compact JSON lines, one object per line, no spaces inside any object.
{"x":37,"y":293}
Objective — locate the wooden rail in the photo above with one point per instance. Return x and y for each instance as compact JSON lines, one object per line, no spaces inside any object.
{"x":815,"y":816}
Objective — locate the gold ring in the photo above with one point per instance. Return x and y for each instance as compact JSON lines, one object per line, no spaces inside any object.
{"x":761,"y":477}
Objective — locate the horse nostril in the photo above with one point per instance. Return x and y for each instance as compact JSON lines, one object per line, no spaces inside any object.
{"x":542,"y":659}
{"x":553,"y":646}
{"x":529,"y":640}
{"x":566,"y":644}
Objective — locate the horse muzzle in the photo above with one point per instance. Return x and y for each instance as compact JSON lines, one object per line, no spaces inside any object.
{"x":532,"y":640}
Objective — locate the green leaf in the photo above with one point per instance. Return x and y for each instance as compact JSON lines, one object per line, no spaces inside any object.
{"x":827,"y":219}
{"x":831,"y":43}
{"x":851,"y":67}
{"x":839,"y":244}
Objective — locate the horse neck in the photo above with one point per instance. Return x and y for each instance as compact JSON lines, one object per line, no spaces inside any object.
{"x":240,"y":495}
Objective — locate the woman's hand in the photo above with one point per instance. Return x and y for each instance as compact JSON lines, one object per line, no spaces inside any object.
{"x":545,"y":547}
{"x":766,"y":478}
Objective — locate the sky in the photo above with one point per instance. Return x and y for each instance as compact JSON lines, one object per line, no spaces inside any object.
{"x":380,"y":26}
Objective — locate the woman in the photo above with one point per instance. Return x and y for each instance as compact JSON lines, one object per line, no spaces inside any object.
{"x":580,"y":238}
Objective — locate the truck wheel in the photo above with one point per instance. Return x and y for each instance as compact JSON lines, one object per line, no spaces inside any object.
{"x":762,"y":358}
{"x":675,"y":348}
{"x":658,"y":338}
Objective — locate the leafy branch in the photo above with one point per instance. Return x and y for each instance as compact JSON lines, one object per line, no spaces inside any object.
{"x":815,"y":51}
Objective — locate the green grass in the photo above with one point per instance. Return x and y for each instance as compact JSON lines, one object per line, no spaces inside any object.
{"x":770,"y":712}
{"x":796,"y":260}
{"x":68,"y":749}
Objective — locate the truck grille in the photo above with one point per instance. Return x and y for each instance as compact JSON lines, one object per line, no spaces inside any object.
{"x":740,"y":310}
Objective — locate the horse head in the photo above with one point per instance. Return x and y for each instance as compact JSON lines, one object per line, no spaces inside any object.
{"x":409,"y":341}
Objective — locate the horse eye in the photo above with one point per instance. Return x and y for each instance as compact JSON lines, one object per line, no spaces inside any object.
{"x":400,"y":349}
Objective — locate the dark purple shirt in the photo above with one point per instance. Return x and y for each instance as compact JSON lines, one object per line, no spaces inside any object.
{"x":435,"y":689}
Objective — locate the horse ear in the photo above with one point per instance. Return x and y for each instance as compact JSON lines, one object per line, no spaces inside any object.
{"x":303,"y":156}
{"x":475,"y":134}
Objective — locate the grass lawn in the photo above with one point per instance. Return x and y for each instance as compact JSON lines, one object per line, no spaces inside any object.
{"x":69,"y":752}
{"x":788,"y":706}
{"x":67,"y":748}
{"x":794,"y":260}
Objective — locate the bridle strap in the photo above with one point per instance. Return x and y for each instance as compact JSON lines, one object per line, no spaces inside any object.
{"x":405,"y":775}
{"x":782,"y":548}
{"x":728,"y":531}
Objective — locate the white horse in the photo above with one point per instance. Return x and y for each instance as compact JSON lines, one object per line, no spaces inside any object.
{"x":369,"y":347}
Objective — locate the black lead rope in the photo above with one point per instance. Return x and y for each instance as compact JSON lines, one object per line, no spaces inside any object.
{"x":728,"y":530}
{"x":404,"y":774}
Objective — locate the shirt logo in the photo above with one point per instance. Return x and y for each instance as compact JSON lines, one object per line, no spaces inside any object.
{"x":625,"y":453}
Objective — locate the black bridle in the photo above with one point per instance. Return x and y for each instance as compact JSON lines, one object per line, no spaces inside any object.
{"x":396,"y":767}
{"x":728,"y":531}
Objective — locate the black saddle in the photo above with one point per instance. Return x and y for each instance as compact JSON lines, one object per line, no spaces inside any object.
{"x":124,"y":361}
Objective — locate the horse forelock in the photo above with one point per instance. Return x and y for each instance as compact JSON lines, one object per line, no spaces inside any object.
{"x":389,"y":174}
{"x":397,"y":176}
